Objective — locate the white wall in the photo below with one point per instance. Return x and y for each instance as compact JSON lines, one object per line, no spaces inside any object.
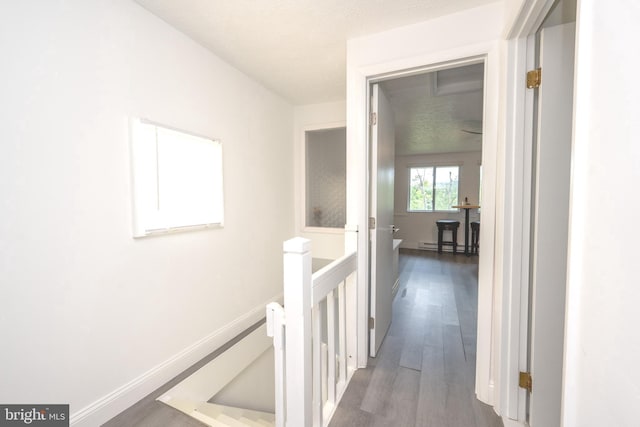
{"x":327,"y":244}
{"x":601,"y":382}
{"x":85,"y":310}
{"x":421,"y":226}
{"x":511,"y":10}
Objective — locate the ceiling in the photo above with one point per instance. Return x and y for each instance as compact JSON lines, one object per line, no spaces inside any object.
{"x":297,"y":48}
{"x":438,"y":112}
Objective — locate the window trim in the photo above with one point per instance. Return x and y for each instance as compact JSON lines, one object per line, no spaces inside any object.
{"x":434,"y":166}
{"x":303,"y":177}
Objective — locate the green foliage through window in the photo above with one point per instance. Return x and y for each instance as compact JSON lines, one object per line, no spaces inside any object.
{"x":433,"y":188}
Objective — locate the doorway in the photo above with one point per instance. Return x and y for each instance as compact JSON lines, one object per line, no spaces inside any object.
{"x":386,"y":56}
{"x":427,"y":133}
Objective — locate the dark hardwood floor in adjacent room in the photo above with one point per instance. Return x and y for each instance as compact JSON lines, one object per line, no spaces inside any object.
{"x":424,"y":373}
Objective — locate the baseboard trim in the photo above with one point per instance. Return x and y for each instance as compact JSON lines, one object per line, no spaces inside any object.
{"x":125,"y":396}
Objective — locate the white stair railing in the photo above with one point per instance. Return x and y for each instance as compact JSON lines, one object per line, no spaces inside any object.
{"x":314,"y":335}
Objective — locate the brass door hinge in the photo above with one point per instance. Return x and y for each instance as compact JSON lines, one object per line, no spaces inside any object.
{"x":534,"y":78}
{"x":373,"y":119}
{"x":372,"y":322}
{"x":525,"y":381}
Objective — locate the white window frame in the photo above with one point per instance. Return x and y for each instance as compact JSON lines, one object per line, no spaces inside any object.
{"x":433,"y":200}
{"x":167,"y":197}
{"x":303,"y":178}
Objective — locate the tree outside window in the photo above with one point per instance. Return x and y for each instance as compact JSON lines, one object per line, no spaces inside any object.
{"x":433,"y":188}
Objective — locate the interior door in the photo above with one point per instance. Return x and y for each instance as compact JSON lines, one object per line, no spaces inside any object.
{"x":550,"y":223}
{"x":382,"y":175}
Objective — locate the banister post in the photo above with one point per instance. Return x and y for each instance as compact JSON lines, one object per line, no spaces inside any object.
{"x":297,"y":305}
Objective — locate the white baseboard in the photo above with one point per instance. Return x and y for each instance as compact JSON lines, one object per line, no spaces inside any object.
{"x":128,"y":394}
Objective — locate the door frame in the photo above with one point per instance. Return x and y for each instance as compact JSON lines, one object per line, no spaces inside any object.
{"x":358,"y":184}
{"x":520,"y":57}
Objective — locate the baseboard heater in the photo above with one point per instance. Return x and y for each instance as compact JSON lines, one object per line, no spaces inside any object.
{"x":428,"y":246}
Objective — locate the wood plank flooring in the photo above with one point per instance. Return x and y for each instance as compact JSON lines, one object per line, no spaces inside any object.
{"x":424,"y":374}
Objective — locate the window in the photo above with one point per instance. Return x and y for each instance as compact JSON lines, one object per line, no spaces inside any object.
{"x":326,"y":177}
{"x":177,"y":179}
{"x":433,"y":188}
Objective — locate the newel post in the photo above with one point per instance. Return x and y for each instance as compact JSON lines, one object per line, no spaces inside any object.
{"x":297,"y":305}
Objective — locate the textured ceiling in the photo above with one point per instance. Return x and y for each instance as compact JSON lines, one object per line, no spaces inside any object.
{"x":438,"y":112}
{"x":297,"y":48}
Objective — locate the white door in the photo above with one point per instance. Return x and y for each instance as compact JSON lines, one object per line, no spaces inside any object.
{"x":382,"y":174}
{"x":550,"y":223}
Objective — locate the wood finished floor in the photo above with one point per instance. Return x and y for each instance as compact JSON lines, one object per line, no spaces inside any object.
{"x":424,"y":373}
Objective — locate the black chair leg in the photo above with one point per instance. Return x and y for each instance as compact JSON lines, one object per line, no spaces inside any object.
{"x":454,"y":232}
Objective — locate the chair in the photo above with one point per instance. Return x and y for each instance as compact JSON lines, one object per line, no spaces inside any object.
{"x":448,"y":225}
{"x":475,"y":236}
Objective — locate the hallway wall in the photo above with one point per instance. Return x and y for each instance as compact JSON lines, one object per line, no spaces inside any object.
{"x":601,"y":385}
{"x":89,"y":315}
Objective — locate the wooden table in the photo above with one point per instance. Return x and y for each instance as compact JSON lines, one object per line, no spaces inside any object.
{"x":466,"y":224}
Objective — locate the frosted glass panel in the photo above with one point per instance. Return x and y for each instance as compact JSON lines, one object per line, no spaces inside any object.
{"x":326,"y":178}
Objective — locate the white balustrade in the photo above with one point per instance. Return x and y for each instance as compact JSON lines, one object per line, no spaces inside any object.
{"x":313,"y":336}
